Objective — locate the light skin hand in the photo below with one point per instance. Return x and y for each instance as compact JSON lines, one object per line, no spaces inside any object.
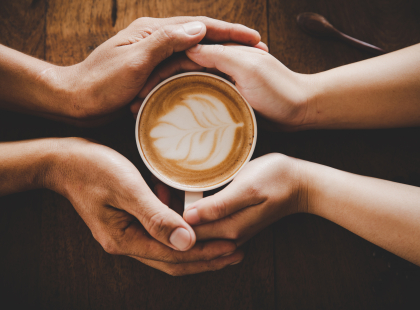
{"x":264,"y":191}
{"x":181,"y":63}
{"x":275,"y":92}
{"x":273,"y":186}
{"x":381,"y":92}
{"x":95,"y":90}
{"x":108,"y":192}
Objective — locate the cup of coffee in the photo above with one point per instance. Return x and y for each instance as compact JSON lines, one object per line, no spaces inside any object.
{"x":195,"y":132}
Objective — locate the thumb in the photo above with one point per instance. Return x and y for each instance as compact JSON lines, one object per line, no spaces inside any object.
{"x":171,"y":38}
{"x":165,"y":225}
{"x":231,"y":199}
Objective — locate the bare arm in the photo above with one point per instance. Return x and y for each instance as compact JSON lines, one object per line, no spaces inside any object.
{"x":23,"y":164}
{"x":380,"y":92}
{"x":94,"y":91}
{"x":274,"y":186}
{"x":110,"y":195}
{"x":382,"y":212}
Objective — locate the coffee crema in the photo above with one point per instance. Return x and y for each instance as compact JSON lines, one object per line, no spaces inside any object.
{"x":196,"y":131}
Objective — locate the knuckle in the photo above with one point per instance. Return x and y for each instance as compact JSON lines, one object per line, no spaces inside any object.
{"x":219,"y":49}
{"x":233,"y":234}
{"x":218,"y":209}
{"x":142,"y":21}
{"x":156,"y":225}
{"x":166,"y":33}
{"x":112,"y":241}
{"x":110,"y":246}
{"x":163,"y":45}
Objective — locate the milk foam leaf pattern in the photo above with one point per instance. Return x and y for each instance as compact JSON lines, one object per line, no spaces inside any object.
{"x":198,"y":133}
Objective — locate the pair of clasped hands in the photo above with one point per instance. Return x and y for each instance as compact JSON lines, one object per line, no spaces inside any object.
{"x":105,"y":188}
{"x":127,"y":218}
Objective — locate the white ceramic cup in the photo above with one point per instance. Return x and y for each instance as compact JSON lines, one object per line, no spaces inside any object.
{"x":192,"y":194}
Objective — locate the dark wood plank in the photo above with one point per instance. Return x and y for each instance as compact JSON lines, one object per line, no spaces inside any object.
{"x":75,"y":28}
{"x":22,"y":26}
{"x":320,"y":265}
{"x":74,"y":271}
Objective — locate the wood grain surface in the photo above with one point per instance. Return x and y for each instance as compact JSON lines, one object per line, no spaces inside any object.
{"x":51,"y":261}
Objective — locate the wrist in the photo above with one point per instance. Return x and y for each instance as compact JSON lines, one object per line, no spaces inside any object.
{"x":55,"y":174}
{"x":292,"y":175}
{"x":62,"y":91}
{"x":317,"y":182}
{"x":53,"y":92}
{"x":321,"y":111}
{"x":26,"y":164}
{"x":309,"y":176}
{"x":299,"y":93}
{"x":308,"y":113}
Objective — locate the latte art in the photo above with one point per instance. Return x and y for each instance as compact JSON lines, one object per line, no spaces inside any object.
{"x":198,"y":132}
{"x":195,"y":131}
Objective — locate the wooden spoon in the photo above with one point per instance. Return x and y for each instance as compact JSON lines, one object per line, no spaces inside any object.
{"x":316,"y":25}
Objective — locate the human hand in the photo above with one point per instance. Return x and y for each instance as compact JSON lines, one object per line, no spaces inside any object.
{"x":265,"y":190}
{"x":275,"y":92}
{"x":278,"y":94}
{"x":125,"y":217}
{"x":177,"y":64}
{"x":115,"y":72}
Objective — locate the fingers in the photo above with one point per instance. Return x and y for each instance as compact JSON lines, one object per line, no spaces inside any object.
{"x":220,"y":31}
{"x":217,"y":30}
{"x":226,"y":202}
{"x":238,"y":227}
{"x":262,"y":46}
{"x":168,"y":39}
{"x":227,"y":59}
{"x":120,"y":234}
{"x":161,"y":222}
{"x":194,"y":267}
{"x":136,"y":242}
{"x":181,"y":63}
{"x":175,"y":65}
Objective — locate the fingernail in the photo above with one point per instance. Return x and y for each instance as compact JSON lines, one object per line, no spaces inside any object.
{"x":193,"y":28}
{"x":180,"y":238}
{"x":236,"y":262}
{"x":191,"y":217}
{"x":227,"y":254}
{"x":195,"y":49}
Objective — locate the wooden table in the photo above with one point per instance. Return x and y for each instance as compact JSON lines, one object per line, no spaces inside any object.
{"x":49,"y":259}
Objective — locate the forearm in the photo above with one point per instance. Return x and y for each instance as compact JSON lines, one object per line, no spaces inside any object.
{"x":382,"y":212}
{"x":381,"y":92}
{"x":32,"y":86}
{"x":24,"y":165}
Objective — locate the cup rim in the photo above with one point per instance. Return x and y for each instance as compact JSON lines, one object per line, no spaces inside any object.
{"x":167,"y":181}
